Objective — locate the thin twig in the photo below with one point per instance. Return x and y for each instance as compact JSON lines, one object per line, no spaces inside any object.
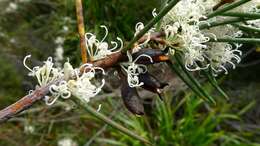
{"x":81,"y":29}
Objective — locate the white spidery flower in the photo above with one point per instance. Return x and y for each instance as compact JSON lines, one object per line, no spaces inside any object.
{"x":82,"y":87}
{"x":189,"y":38}
{"x":221,"y":54}
{"x":60,"y":90}
{"x":74,"y":82}
{"x":101,"y":47}
{"x":44,"y":74}
{"x":192,"y":40}
{"x":133,"y":70}
{"x":185,"y":11}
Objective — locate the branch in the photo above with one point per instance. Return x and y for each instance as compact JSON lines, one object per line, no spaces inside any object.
{"x":28,"y":100}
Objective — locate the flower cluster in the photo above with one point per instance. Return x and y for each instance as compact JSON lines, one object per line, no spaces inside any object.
{"x":100,"y":49}
{"x":223,"y":55}
{"x":74,"y":81}
{"x":181,"y":26}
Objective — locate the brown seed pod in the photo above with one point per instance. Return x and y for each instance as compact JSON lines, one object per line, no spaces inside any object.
{"x":156,"y":54}
{"x":151,"y":83}
{"x":130,"y":97}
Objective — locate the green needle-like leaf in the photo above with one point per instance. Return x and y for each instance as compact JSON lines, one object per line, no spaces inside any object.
{"x":207,"y":25}
{"x":226,"y":8}
{"x":247,"y":28}
{"x":187,"y":80}
{"x":236,"y":40}
{"x":110,"y":122}
{"x":242,"y":14}
{"x":194,"y":81}
{"x":214,"y":83}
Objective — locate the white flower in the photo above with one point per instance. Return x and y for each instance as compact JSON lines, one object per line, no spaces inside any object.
{"x":82,"y":87}
{"x":44,"y":74}
{"x":133,"y":70}
{"x":101,"y":47}
{"x":60,"y":90}
{"x":221,"y":54}
{"x":67,"y":142}
{"x":191,"y":41}
{"x":73,"y":81}
{"x":186,"y":11}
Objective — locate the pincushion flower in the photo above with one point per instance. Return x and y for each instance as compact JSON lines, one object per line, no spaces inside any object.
{"x":73,"y":81}
{"x":101,"y":47}
{"x":82,"y":87}
{"x":222,"y":56}
{"x":44,"y":74}
{"x":56,"y":91}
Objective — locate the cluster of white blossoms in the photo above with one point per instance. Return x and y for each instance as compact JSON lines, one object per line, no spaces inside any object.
{"x":181,"y":26}
{"x":223,"y":55}
{"x":100,"y":49}
{"x":66,"y":81}
{"x":133,"y":70}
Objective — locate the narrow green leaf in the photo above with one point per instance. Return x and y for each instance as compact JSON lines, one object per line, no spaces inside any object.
{"x":236,"y":40}
{"x":186,"y":80}
{"x":226,"y":8}
{"x":207,"y":25}
{"x":194,"y":81}
{"x":242,"y":14}
{"x":247,"y":28}
{"x":110,"y":122}
{"x":214,"y":83}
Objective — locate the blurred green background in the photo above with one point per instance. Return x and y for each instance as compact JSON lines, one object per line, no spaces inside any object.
{"x":32,"y":26}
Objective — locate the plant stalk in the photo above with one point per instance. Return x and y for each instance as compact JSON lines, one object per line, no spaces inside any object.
{"x":81,"y":30}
